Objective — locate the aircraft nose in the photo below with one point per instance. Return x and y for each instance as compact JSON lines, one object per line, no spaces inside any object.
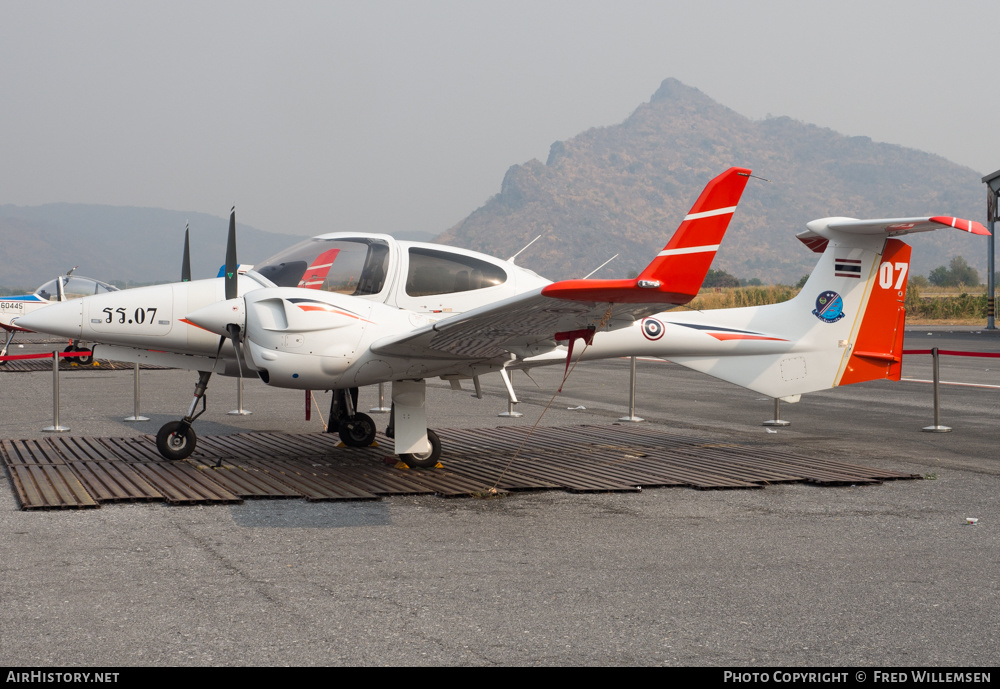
{"x":64,"y":319}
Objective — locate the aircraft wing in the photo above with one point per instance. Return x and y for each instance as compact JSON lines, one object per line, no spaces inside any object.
{"x":528,"y":324}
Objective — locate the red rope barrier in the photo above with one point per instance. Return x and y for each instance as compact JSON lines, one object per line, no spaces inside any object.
{"x":46,"y":355}
{"x":950,"y":352}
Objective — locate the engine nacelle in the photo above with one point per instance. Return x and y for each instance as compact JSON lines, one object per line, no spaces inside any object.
{"x":299,"y":338}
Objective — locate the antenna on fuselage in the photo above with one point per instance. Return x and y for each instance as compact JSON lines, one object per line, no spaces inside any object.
{"x":186,"y":259}
{"x":511,"y":259}
{"x":599,"y":267}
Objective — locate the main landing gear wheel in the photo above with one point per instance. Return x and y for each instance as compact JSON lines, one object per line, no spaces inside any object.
{"x":175,"y":442}
{"x":358,"y":431}
{"x":425,"y":460}
{"x":85,"y":360}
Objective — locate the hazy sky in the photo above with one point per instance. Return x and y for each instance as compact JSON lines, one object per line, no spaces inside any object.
{"x":392,"y":115}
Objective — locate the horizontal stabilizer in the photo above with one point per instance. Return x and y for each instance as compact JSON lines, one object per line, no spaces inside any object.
{"x":822,"y":230}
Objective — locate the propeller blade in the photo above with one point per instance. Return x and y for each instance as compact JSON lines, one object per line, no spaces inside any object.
{"x":231,"y":264}
{"x":186,"y":260}
{"x":234,"y":334}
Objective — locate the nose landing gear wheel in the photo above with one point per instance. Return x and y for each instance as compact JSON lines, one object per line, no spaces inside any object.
{"x":425,"y":460}
{"x":175,"y":442}
{"x":358,"y":431}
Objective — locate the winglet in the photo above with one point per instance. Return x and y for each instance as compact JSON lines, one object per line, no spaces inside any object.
{"x":677,"y":272}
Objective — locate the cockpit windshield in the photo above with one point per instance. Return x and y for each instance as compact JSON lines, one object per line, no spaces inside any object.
{"x":356,"y":266}
{"x":73,"y":287}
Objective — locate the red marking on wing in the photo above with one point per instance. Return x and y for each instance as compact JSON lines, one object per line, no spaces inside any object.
{"x":815,"y":243}
{"x":738,"y":336}
{"x":327,"y":308}
{"x":962,"y":224}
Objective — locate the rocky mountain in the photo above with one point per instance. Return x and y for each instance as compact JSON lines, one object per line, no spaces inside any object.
{"x":625,"y":188}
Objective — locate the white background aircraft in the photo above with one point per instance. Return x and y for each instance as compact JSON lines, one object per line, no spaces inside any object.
{"x":62,"y":288}
{"x":340,"y":311}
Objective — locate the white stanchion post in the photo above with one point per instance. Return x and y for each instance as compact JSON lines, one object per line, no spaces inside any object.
{"x":937,"y":427}
{"x":55,"y":427}
{"x":777,"y":420}
{"x":240,"y":411}
{"x":135,"y":396}
{"x":381,"y":408}
{"x":631,"y":397}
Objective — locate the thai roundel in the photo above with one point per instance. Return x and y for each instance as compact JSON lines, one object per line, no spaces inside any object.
{"x":652,"y":329}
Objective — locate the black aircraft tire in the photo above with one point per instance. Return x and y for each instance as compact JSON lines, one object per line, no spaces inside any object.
{"x":425,"y":460}
{"x":174,"y":445}
{"x":87,"y":359}
{"x":359,"y":431}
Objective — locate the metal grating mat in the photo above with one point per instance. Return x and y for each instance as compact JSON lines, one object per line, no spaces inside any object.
{"x":78,"y":472}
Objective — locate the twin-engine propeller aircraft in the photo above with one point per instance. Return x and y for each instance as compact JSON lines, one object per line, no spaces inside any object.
{"x":62,"y":288}
{"x":341,"y":311}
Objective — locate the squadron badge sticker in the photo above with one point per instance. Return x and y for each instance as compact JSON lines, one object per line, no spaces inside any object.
{"x":829,"y":307}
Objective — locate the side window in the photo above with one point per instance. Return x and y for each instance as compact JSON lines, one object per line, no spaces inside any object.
{"x":442,"y":272}
{"x":76,"y":287}
{"x":49,"y":291}
{"x":373,"y":274}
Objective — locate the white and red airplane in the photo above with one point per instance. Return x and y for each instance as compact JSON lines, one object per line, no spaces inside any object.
{"x":341,"y":311}
{"x":59,"y":289}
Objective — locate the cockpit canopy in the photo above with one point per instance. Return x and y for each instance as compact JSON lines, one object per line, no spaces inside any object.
{"x":360,"y":266}
{"x":355,"y":266}
{"x":73,"y":287}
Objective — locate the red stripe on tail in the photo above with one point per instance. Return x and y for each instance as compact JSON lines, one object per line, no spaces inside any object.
{"x":878,"y":350}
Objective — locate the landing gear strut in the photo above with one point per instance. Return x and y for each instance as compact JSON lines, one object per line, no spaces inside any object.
{"x":3,"y":352}
{"x":176,"y":439}
{"x":355,"y":429}
{"x":416,"y":444}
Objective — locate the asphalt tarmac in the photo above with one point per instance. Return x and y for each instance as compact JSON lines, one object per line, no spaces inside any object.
{"x":789,"y":575}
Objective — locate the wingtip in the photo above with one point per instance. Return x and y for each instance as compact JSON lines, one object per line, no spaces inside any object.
{"x":962,"y":224}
